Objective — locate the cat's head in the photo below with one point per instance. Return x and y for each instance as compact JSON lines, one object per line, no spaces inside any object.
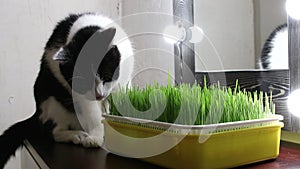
{"x":90,"y":62}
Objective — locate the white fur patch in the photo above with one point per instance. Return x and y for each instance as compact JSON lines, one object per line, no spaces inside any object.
{"x":88,"y":20}
{"x":279,"y":54}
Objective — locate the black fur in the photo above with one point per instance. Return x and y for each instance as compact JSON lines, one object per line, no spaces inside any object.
{"x":268,"y":46}
{"x":47,"y":85}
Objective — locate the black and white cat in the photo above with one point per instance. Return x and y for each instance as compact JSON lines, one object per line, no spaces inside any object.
{"x":63,"y":113}
{"x":274,"y":54}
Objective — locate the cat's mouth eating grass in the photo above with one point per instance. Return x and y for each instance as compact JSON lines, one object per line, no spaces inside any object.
{"x":99,"y":96}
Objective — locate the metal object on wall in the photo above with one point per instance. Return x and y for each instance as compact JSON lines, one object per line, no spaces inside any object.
{"x":294,"y":63}
{"x":183,"y":10}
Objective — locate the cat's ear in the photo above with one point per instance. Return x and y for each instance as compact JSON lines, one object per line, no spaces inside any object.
{"x":59,"y":55}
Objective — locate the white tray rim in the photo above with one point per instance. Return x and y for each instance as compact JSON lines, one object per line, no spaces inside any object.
{"x":219,"y":126}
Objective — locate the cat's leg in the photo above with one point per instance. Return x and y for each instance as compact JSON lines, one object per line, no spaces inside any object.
{"x":97,"y":134}
{"x":77,"y":137}
{"x":91,"y":118}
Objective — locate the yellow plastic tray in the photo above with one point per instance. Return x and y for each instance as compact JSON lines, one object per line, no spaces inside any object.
{"x":231,"y":145}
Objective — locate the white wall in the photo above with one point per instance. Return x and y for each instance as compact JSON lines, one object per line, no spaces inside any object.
{"x":25,"y":26}
{"x":153,"y":56}
{"x":229,"y":26}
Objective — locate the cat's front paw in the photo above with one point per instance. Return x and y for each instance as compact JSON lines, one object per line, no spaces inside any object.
{"x":78,"y":137}
{"x":74,"y":136}
{"x":92,"y":141}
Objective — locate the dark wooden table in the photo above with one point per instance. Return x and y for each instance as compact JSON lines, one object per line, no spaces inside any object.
{"x":68,"y":156}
